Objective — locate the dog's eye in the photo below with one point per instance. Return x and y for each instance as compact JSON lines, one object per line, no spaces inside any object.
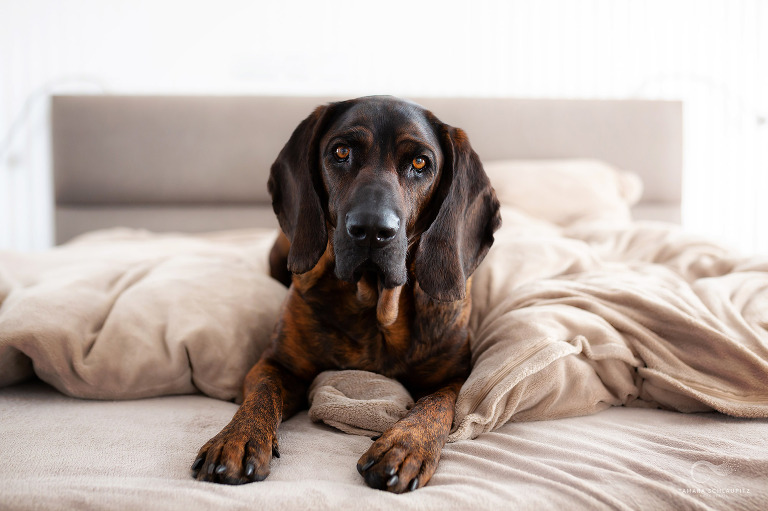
{"x":419,"y":163}
{"x":342,"y":152}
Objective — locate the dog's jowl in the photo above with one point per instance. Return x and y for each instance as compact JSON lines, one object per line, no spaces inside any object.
{"x":385,"y":213}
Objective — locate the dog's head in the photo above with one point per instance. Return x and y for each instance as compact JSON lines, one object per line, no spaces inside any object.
{"x":390,"y":185}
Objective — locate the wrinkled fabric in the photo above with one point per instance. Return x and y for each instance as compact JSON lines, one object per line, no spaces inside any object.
{"x":568,"y":321}
{"x":124,"y":314}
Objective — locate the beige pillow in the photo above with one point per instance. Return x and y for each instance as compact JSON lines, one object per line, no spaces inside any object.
{"x":565,"y":191}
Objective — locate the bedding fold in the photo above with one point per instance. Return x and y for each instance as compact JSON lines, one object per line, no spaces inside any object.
{"x":128,"y":314}
{"x":567,"y":320}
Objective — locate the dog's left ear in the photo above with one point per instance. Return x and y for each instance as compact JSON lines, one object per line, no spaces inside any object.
{"x":462,"y":232}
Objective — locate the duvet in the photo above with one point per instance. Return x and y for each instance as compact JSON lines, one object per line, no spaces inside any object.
{"x":569,"y":318}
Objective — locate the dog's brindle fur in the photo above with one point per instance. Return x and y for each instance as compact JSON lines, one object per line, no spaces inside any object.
{"x":386,"y":213}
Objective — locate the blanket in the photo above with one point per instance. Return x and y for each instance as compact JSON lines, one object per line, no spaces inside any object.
{"x":572,"y":314}
{"x":124,"y":314}
{"x":568,"y":322}
{"x":565,"y":322}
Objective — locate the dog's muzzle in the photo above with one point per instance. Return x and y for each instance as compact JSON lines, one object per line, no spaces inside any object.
{"x":371,"y":239}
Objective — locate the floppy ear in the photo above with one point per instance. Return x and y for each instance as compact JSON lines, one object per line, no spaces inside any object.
{"x":462,"y":232}
{"x":294,"y":181}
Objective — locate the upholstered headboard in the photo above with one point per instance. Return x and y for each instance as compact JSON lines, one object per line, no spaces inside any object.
{"x":200,"y":163}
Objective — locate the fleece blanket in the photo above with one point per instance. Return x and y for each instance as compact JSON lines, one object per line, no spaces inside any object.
{"x":566,"y":321}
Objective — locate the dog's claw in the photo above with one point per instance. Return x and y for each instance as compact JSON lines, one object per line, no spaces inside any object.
{"x":414,"y":484}
{"x":211,"y":468}
{"x":197,"y":465}
{"x":393,"y":480}
{"x":375,"y":437}
{"x":249,"y":470}
{"x":391,"y":471}
{"x":275,"y":452}
{"x":221,"y":469}
{"x":368,"y":464}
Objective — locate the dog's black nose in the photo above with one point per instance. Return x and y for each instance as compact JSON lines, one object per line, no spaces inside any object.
{"x":372,"y":229}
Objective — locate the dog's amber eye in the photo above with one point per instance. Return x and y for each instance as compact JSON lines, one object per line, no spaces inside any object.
{"x":419,"y":163}
{"x":342,"y":152}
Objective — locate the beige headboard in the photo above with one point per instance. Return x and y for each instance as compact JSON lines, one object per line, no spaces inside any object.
{"x":200,"y":163}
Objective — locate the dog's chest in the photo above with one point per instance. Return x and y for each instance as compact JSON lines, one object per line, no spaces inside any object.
{"x":425,"y":344}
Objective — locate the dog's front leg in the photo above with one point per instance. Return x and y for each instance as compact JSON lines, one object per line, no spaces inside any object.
{"x":242,"y":451}
{"x":406,"y":455}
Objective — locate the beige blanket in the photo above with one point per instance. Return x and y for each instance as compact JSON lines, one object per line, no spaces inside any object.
{"x":571,"y":321}
{"x":567,"y":320}
{"x":128,"y":314}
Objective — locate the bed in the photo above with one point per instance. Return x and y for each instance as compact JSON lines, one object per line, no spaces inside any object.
{"x":596,"y":321}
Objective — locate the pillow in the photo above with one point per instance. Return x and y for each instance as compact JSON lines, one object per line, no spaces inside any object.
{"x":565,"y":191}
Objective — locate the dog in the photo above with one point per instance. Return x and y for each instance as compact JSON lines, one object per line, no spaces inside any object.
{"x":385,"y":212}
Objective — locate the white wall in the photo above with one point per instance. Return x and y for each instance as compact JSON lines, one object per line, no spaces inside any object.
{"x":711,"y":54}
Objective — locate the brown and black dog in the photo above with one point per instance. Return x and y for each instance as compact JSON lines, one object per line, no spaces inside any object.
{"x":386,"y":212}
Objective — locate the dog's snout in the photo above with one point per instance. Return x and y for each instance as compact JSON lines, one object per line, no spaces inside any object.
{"x":370,"y":234}
{"x":372,"y":228}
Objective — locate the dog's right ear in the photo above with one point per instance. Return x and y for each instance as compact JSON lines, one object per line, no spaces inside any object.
{"x":293,"y":183}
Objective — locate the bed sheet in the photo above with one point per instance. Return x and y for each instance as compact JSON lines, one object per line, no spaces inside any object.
{"x":66,"y":453}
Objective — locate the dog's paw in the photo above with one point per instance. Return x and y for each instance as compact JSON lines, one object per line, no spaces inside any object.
{"x":403,"y":458}
{"x":237,"y":455}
